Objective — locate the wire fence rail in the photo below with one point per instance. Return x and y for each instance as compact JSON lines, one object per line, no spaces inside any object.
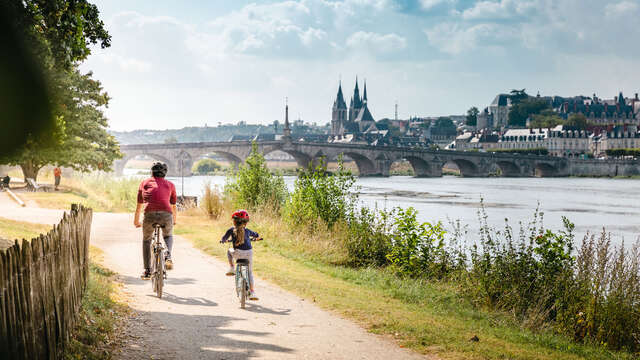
{"x":42,"y":282}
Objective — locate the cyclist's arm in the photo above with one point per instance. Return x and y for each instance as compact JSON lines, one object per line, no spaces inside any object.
{"x":136,"y":217}
{"x":173,"y":200}
{"x":175,"y":213}
{"x":226,"y":236}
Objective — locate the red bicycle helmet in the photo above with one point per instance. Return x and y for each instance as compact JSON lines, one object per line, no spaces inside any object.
{"x":241,"y":215}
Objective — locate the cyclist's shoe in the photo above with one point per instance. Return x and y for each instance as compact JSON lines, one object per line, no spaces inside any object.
{"x":253,"y":296}
{"x":231,"y":271}
{"x":146,"y":275}
{"x":168,"y":264}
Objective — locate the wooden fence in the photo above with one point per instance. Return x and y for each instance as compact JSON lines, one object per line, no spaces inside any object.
{"x":41,"y":286}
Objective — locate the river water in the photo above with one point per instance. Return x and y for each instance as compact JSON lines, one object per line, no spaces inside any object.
{"x":590,"y":204}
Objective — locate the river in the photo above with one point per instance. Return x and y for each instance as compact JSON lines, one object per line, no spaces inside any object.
{"x":590,"y":204}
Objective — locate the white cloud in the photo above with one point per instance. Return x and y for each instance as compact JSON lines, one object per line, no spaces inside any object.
{"x":502,"y":9}
{"x":429,"y":4}
{"x":126,"y":63}
{"x":455,"y":39}
{"x":621,"y":8}
{"x":376,"y":42}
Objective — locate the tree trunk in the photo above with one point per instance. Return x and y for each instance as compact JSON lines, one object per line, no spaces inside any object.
{"x":30,"y":170}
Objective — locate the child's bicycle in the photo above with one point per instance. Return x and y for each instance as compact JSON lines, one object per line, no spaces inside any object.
{"x":243,"y":284}
{"x":158,"y":273}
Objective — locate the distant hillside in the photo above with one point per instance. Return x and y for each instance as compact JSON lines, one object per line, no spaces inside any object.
{"x":201,"y":134}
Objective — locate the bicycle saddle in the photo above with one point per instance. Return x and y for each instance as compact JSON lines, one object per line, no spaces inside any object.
{"x":156,"y":225}
{"x":242,"y":261}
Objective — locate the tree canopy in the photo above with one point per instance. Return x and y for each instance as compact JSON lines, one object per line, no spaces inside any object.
{"x":523,"y":109}
{"x":472,"y":116}
{"x":59,"y":34}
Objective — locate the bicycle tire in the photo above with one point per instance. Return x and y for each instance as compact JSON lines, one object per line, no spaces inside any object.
{"x":159,"y":274}
{"x":243,"y":294}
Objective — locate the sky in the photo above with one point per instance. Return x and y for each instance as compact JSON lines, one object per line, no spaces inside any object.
{"x":189,"y":63}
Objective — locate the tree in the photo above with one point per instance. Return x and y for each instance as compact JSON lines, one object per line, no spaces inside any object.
{"x":82,"y":140}
{"x":577,"y":121}
{"x":472,"y":116}
{"x":524,"y":109}
{"x":444,"y":123}
{"x":59,"y":33}
{"x":546,"y":119}
{"x":518,"y":95}
{"x":206,"y":166}
{"x":171,"y":140}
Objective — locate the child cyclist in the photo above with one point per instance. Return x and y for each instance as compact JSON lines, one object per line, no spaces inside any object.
{"x":241,"y":238}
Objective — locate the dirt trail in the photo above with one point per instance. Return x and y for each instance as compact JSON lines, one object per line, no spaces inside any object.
{"x":199,"y":315}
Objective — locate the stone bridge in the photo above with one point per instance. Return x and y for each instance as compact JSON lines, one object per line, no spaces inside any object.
{"x":376,"y":161}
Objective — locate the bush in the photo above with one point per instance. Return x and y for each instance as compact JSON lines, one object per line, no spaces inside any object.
{"x":532,"y":151}
{"x":623,"y":152}
{"x":368,"y":237}
{"x":254,"y":186}
{"x":417,"y":249}
{"x":212,"y":202}
{"x":321,"y":196}
{"x":206,"y":166}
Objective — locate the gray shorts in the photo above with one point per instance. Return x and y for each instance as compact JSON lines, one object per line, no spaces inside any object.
{"x":159,"y":217}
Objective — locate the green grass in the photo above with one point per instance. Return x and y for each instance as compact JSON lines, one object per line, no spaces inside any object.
{"x":102,"y":193}
{"x":102,"y":314}
{"x":428,"y":317}
{"x":11,"y":230}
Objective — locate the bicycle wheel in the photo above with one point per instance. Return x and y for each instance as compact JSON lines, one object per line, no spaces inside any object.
{"x":243,"y":293}
{"x":159,"y":273}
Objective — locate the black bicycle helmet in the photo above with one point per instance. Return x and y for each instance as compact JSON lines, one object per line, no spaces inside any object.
{"x":159,"y":169}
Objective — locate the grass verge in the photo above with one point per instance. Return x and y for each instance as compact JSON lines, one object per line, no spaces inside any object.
{"x":11,"y":230}
{"x":102,"y":193}
{"x":102,"y":314}
{"x":428,"y":317}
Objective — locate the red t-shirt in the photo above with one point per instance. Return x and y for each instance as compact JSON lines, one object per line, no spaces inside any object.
{"x":159,"y":194}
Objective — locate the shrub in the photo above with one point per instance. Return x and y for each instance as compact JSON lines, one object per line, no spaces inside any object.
{"x":417,"y":249}
{"x":254,"y":186}
{"x":321,"y":196}
{"x":212,"y":202}
{"x":206,"y":166}
{"x":368,"y":239}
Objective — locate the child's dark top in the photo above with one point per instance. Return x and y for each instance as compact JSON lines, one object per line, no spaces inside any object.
{"x":248,"y":234}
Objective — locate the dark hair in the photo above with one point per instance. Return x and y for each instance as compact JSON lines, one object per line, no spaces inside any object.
{"x":159,"y":170}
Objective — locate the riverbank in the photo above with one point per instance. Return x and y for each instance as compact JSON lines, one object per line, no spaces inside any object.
{"x":426,"y":316}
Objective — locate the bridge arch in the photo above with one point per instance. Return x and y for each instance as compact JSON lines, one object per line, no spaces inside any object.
{"x":545,"y":170}
{"x":366,"y":166}
{"x":423,"y":168}
{"x":466,"y":167}
{"x":233,"y":159}
{"x":509,"y":168}
{"x":302,"y":159}
{"x":122,"y":163}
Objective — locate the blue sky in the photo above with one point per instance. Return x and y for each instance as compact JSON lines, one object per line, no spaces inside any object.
{"x":175,"y":64}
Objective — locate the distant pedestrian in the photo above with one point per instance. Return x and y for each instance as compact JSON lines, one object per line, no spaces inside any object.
{"x":57,"y":173}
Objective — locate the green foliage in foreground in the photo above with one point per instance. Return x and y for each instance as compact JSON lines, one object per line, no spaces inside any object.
{"x":321,"y":196}
{"x":98,"y":320}
{"x":253,"y":185}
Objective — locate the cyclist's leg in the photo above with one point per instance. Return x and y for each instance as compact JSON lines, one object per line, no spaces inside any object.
{"x":230,"y":254}
{"x":147,"y":234}
{"x":167,"y":232}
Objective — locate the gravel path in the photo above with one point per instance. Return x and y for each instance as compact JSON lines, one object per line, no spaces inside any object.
{"x":199,"y":316}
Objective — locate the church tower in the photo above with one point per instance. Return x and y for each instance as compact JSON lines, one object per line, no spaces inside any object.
{"x":338,"y":114}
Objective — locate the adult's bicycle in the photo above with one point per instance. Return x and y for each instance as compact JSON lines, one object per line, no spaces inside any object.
{"x":158,"y":272}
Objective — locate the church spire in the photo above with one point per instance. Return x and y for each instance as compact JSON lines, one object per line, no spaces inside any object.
{"x":287,"y":130}
{"x":364,"y":95}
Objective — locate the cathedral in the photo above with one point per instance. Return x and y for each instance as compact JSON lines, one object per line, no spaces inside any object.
{"x":355,"y":120}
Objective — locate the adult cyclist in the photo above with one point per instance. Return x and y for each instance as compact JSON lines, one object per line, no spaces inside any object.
{"x":159,"y":195}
